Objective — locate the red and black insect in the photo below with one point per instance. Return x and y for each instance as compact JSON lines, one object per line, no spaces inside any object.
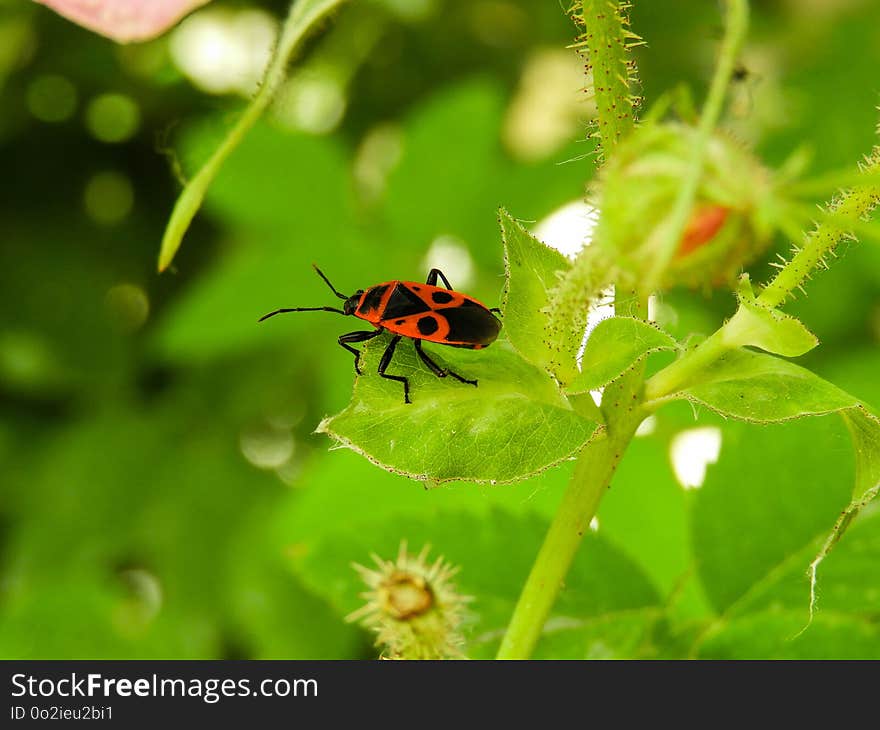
{"x":415,"y":311}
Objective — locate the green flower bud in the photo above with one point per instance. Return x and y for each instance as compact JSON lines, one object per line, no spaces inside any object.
{"x":637,"y":190}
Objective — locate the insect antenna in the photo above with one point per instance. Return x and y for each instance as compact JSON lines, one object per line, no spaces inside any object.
{"x":301,"y":309}
{"x":327,"y":281}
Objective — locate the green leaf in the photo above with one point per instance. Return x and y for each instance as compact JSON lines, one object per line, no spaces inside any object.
{"x":532,"y":271}
{"x":766,"y":503}
{"x":761,"y":388}
{"x":515,"y":424}
{"x":779,"y":634}
{"x":646,"y":514}
{"x":603,"y":583}
{"x":360,"y":492}
{"x":850,"y":577}
{"x":847,"y":516}
{"x":864,"y":428}
{"x":763,"y":514}
{"x":615,"y":346}
{"x":616,"y":635}
{"x":263,"y":595}
{"x":769,"y":329}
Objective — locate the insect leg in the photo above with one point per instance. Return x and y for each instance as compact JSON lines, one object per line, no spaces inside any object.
{"x":361,"y":336}
{"x":436,"y":369}
{"x":432,"y":279}
{"x":386,"y":361}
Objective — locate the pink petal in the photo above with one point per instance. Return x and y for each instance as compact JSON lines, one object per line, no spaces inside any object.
{"x":124,"y":20}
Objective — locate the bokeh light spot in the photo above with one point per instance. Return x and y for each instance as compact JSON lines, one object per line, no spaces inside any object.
{"x":26,"y":360}
{"x":145,"y":599}
{"x":224,"y":51}
{"x":289,"y":473}
{"x":310,"y":101}
{"x":127,"y":306}
{"x":113,"y":117}
{"x":568,"y":228}
{"x":377,"y":155}
{"x":451,"y":256}
{"x":265,"y":446}
{"x":692,"y":451}
{"x":549,"y":106}
{"x":647,"y":427}
{"x":109,"y":197}
{"x":51,"y":98}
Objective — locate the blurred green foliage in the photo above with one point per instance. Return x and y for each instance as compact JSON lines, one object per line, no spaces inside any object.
{"x":163,"y":493}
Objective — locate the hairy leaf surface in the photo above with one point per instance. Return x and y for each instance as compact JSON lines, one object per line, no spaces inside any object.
{"x":614,"y":347}
{"x":532,"y":272}
{"x":514,"y":424}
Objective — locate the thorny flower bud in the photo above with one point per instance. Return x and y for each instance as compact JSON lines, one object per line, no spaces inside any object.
{"x":412,"y":606}
{"x":637,"y":189}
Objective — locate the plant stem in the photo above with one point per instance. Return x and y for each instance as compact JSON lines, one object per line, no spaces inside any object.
{"x":605,"y":47}
{"x":853,"y":204}
{"x":303,"y":16}
{"x":685,"y":370}
{"x":735,"y":25}
{"x":592,"y":474}
{"x":605,"y":40}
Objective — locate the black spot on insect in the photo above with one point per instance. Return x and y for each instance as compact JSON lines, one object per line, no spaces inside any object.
{"x":441,"y":297}
{"x":400,"y":321}
{"x":403,"y":303}
{"x":427,"y":325}
{"x":471,"y":325}
{"x":373,"y":299}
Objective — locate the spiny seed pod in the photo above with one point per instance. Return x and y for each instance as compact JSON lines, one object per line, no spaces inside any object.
{"x":637,"y":189}
{"x":412,"y":606}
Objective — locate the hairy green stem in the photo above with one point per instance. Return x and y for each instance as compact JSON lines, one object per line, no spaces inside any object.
{"x":303,"y":16}
{"x":591,"y":477}
{"x":736,"y":23}
{"x":684,"y":370}
{"x":853,"y":205}
{"x":592,"y":474}
{"x":605,"y":39}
